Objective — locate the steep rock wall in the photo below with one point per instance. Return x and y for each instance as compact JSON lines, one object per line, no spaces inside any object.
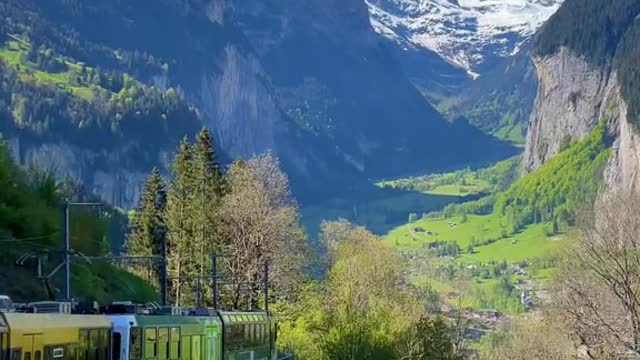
{"x":573,"y":96}
{"x":101,"y":173}
{"x":568,"y":105}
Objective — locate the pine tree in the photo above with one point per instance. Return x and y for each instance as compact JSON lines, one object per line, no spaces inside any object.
{"x":180,"y":224}
{"x":207,"y":192}
{"x":147,"y":227}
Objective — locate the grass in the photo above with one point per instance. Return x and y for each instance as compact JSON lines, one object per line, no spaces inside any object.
{"x":531,"y":243}
{"x":512,"y":134}
{"x":449,"y":184}
{"x":473,"y":291}
{"x":14,"y":54}
{"x":470,"y":188}
{"x":477,"y":227}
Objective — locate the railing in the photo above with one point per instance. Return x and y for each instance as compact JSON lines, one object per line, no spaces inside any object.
{"x":285,"y":357}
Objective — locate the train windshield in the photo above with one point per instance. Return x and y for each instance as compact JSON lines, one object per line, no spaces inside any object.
{"x":6,"y":304}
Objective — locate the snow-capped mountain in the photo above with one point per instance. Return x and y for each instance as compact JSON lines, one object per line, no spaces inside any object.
{"x":471,"y":34}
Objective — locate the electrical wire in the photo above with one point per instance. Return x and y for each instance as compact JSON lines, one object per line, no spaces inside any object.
{"x":27,"y":239}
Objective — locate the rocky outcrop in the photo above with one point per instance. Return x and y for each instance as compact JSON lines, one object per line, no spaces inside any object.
{"x":573,"y":96}
{"x":623,"y":168}
{"x":568,"y":105}
{"x":100,"y":173}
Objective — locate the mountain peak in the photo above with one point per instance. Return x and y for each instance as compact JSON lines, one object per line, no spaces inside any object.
{"x":470,"y":34}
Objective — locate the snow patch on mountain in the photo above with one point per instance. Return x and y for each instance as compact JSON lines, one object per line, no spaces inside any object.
{"x":470,"y":34}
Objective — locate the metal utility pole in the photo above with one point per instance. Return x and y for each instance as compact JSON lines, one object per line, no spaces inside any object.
{"x":66,"y":248}
{"x":66,"y":245}
{"x":197,"y":292}
{"x":163,"y":268}
{"x":266,"y":286}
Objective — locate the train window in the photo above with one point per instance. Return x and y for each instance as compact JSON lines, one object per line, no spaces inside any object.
{"x":84,"y":345}
{"x":186,"y":348}
{"x":115,"y":345}
{"x":254,"y":334}
{"x":94,"y":344}
{"x":257,"y":339}
{"x":196,"y":347}
{"x":175,"y":343}
{"x":71,"y":352}
{"x":27,"y":355}
{"x":37,"y":355}
{"x":16,"y":354}
{"x":151,"y":343}
{"x":135,"y":343}
{"x":105,"y":336}
{"x":163,"y":343}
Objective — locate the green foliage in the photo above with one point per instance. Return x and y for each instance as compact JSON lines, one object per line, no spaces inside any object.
{"x":433,"y":341}
{"x":462,"y":182}
{"x":184,"y":214}
{"x":550,"y":193}
{"x":361,"y":310}
{"x":445,"y":249}
{"x":55,"y":84}
{"x":590,"y":28}
{"x":147,"y":227}
{"x":30,"y":219}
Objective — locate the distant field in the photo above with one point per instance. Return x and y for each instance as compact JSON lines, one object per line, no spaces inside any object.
{"x":529,"y":244}
{"x":465,"y":182}
{"x":475,"y":228}
{"x":476,"y":292}
{"x":450,"y":184}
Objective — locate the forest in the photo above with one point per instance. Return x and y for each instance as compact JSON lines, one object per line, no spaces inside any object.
{"x":605,"y":33}
{"x":31,"y":224}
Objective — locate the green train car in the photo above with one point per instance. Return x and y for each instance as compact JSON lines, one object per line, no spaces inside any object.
{"x":196,"y":335}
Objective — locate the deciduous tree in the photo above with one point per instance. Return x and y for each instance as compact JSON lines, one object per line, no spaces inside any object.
{"x":597,"y":292}
{"x":259,"y":224}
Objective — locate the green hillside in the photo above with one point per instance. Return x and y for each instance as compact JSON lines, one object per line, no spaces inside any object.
{"x":550,"y":193}
{"x":544,"y":197}
{"x":513,"y":235}
{"x":50,"y":97}
{"x":462,"y":182}
{"x":30,"y":223}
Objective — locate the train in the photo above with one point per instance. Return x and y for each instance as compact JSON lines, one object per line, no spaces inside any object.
{"x":124,"y":331}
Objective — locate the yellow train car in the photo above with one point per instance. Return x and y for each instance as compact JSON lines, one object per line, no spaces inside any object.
{"x":25,"y":336}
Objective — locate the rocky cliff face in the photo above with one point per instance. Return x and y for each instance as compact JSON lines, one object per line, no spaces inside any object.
{"x":573,"y":96}
{"x":101,"y":173}
{"x":568,"y":105}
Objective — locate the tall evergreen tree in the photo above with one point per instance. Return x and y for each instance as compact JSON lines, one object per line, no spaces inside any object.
{"x":180,"y":224}
{"x":147,"y":227}
{"x":208,"y":190}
